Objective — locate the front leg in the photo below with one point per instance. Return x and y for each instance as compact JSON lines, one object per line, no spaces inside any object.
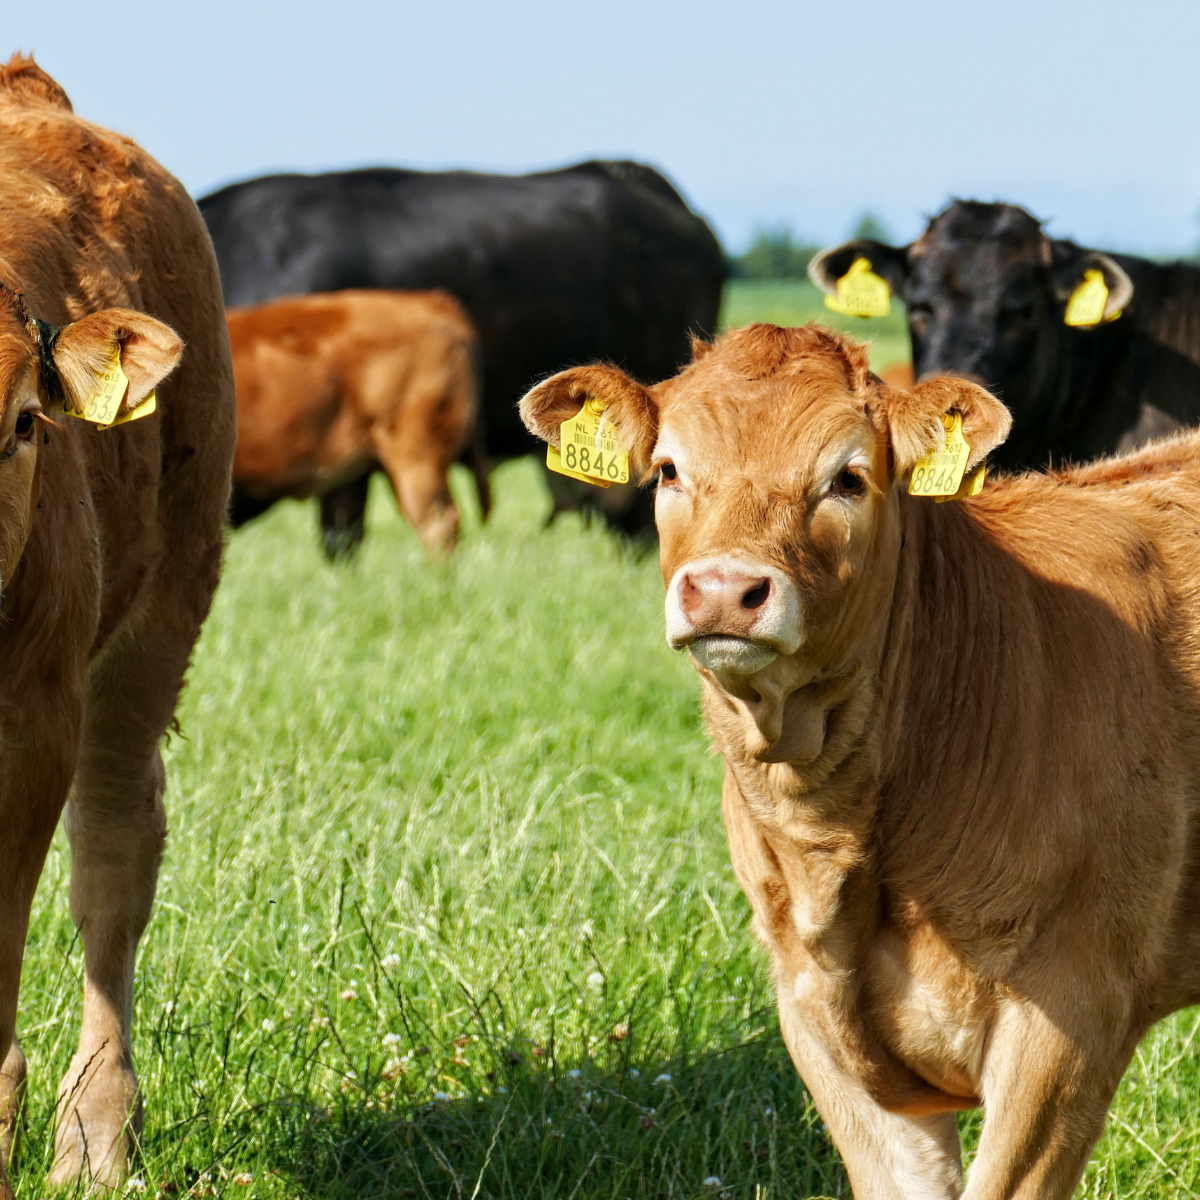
{"x":888,"y":1155}
{"x":1047,"y":1087}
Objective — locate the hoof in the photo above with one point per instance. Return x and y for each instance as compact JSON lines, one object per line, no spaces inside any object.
{"x":99,"y":1121}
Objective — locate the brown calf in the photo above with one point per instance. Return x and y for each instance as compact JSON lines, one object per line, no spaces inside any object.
{"x":962,"y":744}
{"x":332,"y":387}
{"x":110,"y":548}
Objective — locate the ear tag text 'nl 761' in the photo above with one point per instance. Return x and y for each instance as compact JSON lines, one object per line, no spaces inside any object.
{"x":940,"y":472}
{"x":861,"y":293}
{"x":589,"y":448}
{"x":1086,"y":305}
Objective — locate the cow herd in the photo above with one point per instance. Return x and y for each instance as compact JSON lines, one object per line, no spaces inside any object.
{"x":961,"y":739}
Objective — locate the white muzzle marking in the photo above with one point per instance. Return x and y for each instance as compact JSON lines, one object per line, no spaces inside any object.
{"x":735,"y":615}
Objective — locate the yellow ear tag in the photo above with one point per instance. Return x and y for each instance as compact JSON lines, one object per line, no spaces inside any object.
{"x":102,"y":406}
{"x":940,"y":472}
{"x":861,"y":293}
{"x":144,"y":409}
{"x":589,"y":448}
{"x":971,"y":485}
{"x":1086,"y":305}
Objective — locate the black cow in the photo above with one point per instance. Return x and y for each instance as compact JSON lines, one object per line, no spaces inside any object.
{"x":603,"y":260}
{"x":986,"y":292}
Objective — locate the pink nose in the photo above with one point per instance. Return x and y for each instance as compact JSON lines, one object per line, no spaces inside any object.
{"x":723,"y":601}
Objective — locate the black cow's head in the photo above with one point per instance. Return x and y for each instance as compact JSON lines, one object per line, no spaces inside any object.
{"x":986,"y":292}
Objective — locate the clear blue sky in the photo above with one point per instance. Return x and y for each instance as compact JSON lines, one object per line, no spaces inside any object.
{"x":762,"y":111}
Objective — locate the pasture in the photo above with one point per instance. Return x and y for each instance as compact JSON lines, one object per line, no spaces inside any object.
{"x":446,"y":909}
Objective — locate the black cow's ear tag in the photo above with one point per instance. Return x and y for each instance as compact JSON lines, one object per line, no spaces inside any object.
{"x":861,"y":293}
{"x":1085,"y":308}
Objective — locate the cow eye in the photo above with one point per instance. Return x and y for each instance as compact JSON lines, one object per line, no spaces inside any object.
{"x":25,"y":422}
{"x":849,"y":482}
{"x":667,"y":471}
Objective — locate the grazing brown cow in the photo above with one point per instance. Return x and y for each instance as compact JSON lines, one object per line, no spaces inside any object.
{"x":961,"y":741}
{"x":332,"y":387}
{"x":110,"y":548}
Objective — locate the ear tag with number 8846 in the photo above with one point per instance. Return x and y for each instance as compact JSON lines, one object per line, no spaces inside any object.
{"x":940,"y":472}
{"x":589,"y":449}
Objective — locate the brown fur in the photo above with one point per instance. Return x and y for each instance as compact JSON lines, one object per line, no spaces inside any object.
{"x":965,"y":810}
{"x":110,"y":557}
{"x":331,"y":387}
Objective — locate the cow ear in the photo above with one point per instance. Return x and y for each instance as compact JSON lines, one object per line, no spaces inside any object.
{"x":914,"y":420}
{"x":1069,"y":265}
{"x":83,"y":352}
{"x":628,"y":405}
{"x":889,"y":262}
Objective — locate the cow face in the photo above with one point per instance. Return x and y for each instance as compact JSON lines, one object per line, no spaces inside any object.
{"x":779,"y":460}
{"x":42,"y":367}
{"x":986,"y":293}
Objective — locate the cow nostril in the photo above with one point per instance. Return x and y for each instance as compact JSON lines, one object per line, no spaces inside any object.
{"x":756,"y":597}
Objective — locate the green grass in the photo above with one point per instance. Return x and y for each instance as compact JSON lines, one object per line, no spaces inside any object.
{"x":796,"y":301}
{"x":447,"y":895}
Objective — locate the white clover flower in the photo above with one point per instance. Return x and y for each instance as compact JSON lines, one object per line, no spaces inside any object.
{"x":349,"y":994}
{"x":587,"y":930}
{"x":664,"y":1078}
{"x":574,"y":1073}
{"x":389,"y":961}
{"x":391,"y":1039}
{"x":712,"y":1181}
{"x":135,"y":1184}
{"x":268,"y":1026}
{"x":440,"y":1096}
{"x":243,"y":1179}
{"x":595,"y":980}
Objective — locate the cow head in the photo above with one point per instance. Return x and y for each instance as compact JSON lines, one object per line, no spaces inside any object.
{"x":780,"y":459}
{"x":986,"y":292}
{"x":41,"y":369}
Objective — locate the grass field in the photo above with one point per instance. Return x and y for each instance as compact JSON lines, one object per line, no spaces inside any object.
{"x":447,"y":909}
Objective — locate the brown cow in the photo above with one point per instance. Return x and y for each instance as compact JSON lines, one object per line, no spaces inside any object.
{"x":332,"y":387}
{"x":110,"y":548}
{"x":961,"y":741}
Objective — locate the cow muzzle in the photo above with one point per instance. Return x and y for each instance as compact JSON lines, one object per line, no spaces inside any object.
{"x":735,"y":616}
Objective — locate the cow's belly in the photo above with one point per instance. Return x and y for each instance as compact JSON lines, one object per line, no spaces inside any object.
{"x":928,"y":1009}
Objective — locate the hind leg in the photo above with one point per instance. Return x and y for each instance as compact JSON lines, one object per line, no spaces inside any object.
{"x":343,"y":518}
{"x":117,"y":828}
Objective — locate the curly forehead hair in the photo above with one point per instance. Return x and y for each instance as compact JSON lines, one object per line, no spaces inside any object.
{"x":772,"y":351}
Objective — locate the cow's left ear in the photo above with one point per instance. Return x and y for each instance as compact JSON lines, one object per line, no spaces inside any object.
{"x":82,"y":353}
{"x":1069,"y":265}
{"x":914,"y":420}
{"x":629,"y":405}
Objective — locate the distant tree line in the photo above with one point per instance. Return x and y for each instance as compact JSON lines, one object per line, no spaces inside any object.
{"x":777,"y":253}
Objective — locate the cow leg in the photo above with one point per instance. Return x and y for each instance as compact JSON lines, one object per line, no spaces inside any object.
{"x":12,"y":1096}
{"x":343,"y":518}
{"x":29,"y":809}
{"x":1046,"y":1098}
{"x":117,"y":826}
{"x":422,"y":489}
{"x":888,"y":1156}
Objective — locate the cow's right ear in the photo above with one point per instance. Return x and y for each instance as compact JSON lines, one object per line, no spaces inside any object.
{"x":889,"y":262}
{"x":82,"y":353}
{"x":629,"y":406}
